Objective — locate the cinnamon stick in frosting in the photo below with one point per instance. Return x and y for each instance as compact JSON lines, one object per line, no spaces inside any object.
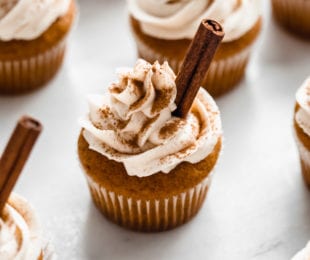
{"x":16,"y":154}
{"x":196,"y":64}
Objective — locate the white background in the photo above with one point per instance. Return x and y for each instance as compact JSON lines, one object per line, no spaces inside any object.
{"x":257,"y":208}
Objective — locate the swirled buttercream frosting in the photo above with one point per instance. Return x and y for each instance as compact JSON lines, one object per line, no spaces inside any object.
{"x":28,"y":19}
{"x":133,"y":122}
{"x":179,"y":19}
{"x":19,"y":231}
{"x":302,"y":117}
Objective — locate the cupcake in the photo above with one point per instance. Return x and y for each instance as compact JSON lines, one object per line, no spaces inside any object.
{"x":293,"y":15}
{"x":302,"y":128}
{"x":163,"y":31}
{"x":32,"y":42}
{"x":20,"y":235}
{"x":304,"y":254}
{"x":148,"y":170}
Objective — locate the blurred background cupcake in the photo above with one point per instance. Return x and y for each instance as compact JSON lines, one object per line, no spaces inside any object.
{"x":302,"y":128}
{"x":146,"y":169}
{"x":32,"y":42}
{"x":293,"y":15}
{"x":163,"y":31}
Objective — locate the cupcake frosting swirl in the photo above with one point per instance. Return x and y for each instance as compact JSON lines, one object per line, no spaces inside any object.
{"x":133,"y":122}
{"x":19,"y":232}
{"x":302,"y":116}
{"x":28,"y":19}
{"x":179,"y":19}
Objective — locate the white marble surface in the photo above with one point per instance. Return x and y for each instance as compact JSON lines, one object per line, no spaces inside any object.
{"x":257,"y":208}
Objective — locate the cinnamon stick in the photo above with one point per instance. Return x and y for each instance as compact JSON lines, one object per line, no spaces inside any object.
{"x":16,"y":154}
{"x":196,"y":64}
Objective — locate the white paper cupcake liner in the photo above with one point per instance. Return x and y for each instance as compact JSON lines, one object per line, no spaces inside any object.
{"x":23,"y":75}
{"x":223,"y":75}
{"x":293,"y":15}
{"x":149,"y":215}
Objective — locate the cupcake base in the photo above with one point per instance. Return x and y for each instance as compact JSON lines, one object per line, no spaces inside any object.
{"x":18,"y":76}
{"x":293,"y":16}
{"x":150,"y":204}
{"x":29,"y":65}
{"x":149,"y":215}
{"x":228,"y":65}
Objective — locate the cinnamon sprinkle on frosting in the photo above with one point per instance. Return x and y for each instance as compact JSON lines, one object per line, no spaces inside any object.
{"x":133,"y":122}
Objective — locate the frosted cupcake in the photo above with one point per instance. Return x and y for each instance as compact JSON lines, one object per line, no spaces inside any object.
{"x":302,"y":128}
{"x":304,"y":254}
{"x":293,"y":15}
{"x":163,"y":31}
{"x":32,"y":42}
{"x":20,"y":234}
{"x":146,"y":169}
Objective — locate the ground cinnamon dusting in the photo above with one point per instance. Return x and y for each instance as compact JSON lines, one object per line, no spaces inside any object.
{"x":162,"y":100}
{"x":139,"y":102}
{"x":131,"y":141}
{"x":148,"y":124}
{"x":238,"y":4}
{"x":170,"y":128}
{"x":6,"y":6}
{"x":116,"y":88}
{"x":179,"y":155}
{"x":171,"y":2}
{"x":184,"y":152}
{"x":109,"y":149}
{"x":110,"y":120}
{"x":197,"y":115}
{"x":138,"y":87}
{"x":105,"y":112}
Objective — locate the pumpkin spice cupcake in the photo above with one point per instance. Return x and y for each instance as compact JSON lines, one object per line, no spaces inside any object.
{"x":302,"y":128}
{"x":163,"y":31}
{"x":146,"y":169}
{"x":32,"y":42}
{"x":293,"y":15}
